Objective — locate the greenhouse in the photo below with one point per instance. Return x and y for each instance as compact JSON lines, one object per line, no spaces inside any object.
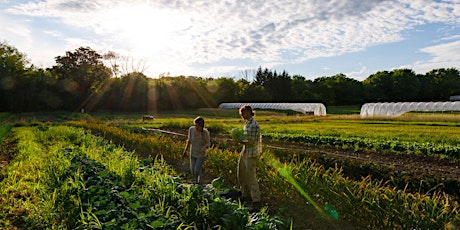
{"x":398,"y":108}
{"x":317,"y":109}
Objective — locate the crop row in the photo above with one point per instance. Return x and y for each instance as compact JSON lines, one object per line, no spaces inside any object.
{"x":64,"y":178}
{"x":361,"y":143}
{"x":336,"y":198}
{"x":4,"y":127}
{"x":388,"y":137}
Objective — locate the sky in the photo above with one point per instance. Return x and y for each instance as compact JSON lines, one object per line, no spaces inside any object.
{"x":232,"y":38}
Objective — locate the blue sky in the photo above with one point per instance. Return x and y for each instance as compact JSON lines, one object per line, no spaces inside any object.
{"x":312,"y":38}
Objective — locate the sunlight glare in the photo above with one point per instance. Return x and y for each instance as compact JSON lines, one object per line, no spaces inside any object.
{"x":148,"y":30}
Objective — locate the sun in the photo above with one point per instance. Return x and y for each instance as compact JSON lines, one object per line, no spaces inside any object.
{"x":146,"y":29}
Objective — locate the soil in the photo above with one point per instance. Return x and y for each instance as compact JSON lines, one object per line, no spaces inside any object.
{"x":416,"y":165}
{"x":7,"y":149}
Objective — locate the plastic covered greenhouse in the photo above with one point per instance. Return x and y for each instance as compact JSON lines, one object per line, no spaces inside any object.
{"x":318,"y":109}
{"x":398,"y":108}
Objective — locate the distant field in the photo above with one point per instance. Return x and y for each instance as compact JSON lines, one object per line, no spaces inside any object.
{"x":416,"y":127}
{"x":355,"y":109}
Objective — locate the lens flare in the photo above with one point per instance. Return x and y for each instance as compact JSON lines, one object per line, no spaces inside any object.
{"x":285,"y":171}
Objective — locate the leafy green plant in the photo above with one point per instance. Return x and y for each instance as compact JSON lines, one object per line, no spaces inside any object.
{"x":65,"y":178}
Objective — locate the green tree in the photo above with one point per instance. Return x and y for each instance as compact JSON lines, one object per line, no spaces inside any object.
{"x":279,"y":87}
{"x":262,"y":77}
{"x":134,"y":97}
{"x":406,"y":85}
{"x":378,"y":87}
{"x":255,"y":93}
{"x":445,"y":82}
{"x":301,"y":89}
{"x":226,"y":90}
{"x":242,"y":85}
{"x":80,"y":74}
{"x":13,"y":69}
{"x":338,"y":90}
{"x":199,"y":95}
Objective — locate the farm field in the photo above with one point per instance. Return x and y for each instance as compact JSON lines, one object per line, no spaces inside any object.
{"x":318,"y":172}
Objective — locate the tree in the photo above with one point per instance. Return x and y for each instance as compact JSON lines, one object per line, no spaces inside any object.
{"x":248,"y":74}
{"x":279,"y":87}
{"x":227,"y":90}
{"x":301,"y":89}
{"x":446,"y":83}
{"x":262,"y":77}
{"x":135,"y":92}
{"x":13,"y":70}
{"x":406,"y":85}
{"x":112,"y":58}
{"x":255,"y":93}
{"x":123,"y":65}
{"x":378,"y":86}
{"x":80,"y":74}
{"x":338,"y":90}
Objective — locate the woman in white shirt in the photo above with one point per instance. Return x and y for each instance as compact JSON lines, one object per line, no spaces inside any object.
{"x":198,"y":140}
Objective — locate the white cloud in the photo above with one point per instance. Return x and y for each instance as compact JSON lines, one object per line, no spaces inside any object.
{"x":361,"y":74}
{"x":442,"y":56}
{"x":183,"y":35}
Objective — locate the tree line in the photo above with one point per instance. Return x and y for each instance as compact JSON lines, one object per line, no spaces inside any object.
{"x":80,"y":80}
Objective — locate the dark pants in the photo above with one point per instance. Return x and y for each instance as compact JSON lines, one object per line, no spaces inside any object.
{"x":196,"y":165}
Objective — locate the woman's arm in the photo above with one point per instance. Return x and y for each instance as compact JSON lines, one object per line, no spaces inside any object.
{"x":207,"y":143}
{"x":187,"y":143}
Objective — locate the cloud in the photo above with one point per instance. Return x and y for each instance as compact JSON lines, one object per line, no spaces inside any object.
{"x":183,"y":35}
{"x":361,"y":74}
{"x":442,"y":56}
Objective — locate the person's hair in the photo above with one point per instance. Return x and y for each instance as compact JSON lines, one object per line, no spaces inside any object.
{"x":200,"y":121}
{"x":248,"y":108}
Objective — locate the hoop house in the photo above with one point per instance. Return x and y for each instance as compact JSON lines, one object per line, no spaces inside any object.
{"x":398,"y":108}
{"x":318,"y":109}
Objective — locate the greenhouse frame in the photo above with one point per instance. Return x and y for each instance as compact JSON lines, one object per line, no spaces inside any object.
{"x":317,"y":109}
{"x":399,"y":108}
